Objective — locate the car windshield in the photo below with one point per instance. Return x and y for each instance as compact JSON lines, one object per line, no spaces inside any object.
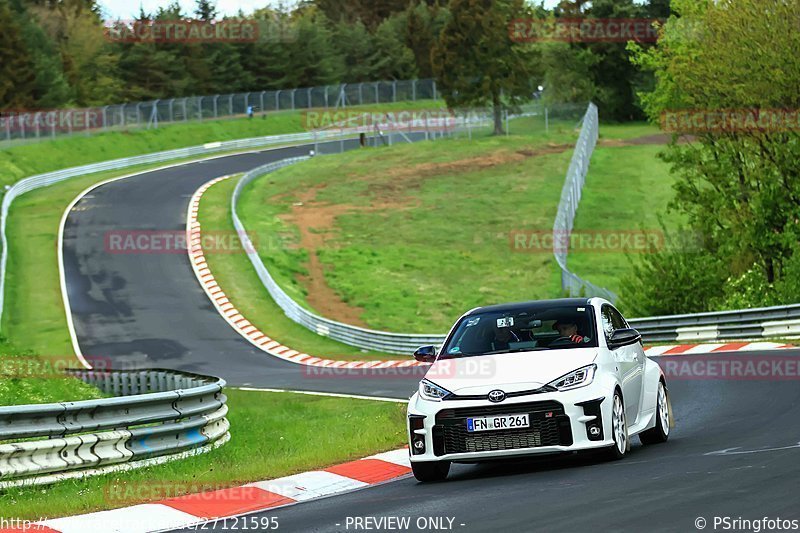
{"x":522,"y":329}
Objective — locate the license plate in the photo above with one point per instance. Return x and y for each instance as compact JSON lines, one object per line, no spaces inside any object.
{"x":492,"y":423}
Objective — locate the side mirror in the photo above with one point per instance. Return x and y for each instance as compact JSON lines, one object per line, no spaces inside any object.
{"x":425,"y":354}
{"x":623,"y":337}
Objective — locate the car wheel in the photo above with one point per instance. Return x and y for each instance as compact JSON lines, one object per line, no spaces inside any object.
{"x":660,"y":433}
{"x":619,"y":428}
{"x":431,"y":470}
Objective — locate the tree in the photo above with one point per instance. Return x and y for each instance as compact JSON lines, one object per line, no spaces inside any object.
{"x":424,"y":23}
{"x":205,"y":10}
{"x":391,"y":59}
{"x":737,"y":186}
{"x":475,"y":60}
{"x":17,"y":75}
{"x":311,"y":59}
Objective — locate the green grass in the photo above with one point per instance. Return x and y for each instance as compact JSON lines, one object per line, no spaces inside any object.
{"x":18,"y":162}
{"x":273,"y":435}
{"x":439,"y":243}
{"x":27,"y":378}
{"x":626,"y":190}
{"x":237,"y":277}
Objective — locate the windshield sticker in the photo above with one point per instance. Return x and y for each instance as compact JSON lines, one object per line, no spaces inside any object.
{"x":506,"y":322}
{"x":473,"y":321}
{"x":455,"y":349}
{"x":580,"y":309}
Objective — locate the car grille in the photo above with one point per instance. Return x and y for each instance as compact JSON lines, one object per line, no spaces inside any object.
{"x":549,"y":427}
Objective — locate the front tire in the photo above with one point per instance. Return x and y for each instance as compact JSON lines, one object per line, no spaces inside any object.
{"x":660,"y":433}
{"x":619,"y":429}
{"x":431,"y":471}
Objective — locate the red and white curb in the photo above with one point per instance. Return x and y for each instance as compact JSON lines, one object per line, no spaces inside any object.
{"x":238,"y":322}
{"x":707,"y":348}
{"x":193,"y":509}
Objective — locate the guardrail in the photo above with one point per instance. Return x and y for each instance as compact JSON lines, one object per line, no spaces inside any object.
{"x":154,"y":414}
{"x":757,"y":323}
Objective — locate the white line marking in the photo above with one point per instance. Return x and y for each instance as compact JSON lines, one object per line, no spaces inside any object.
{"x":332,"y":394}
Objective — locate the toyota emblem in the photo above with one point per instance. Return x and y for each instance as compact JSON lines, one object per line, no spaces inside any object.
{"x":497,"y":396}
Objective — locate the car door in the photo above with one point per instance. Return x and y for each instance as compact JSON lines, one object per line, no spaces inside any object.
{"x":630,"y":359}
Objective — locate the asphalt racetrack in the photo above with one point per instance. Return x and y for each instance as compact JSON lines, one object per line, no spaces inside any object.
{"x":734,"y":453}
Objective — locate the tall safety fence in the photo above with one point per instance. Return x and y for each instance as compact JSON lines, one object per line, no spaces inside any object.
{"x":153,"y":415}
{"x":571,"y":283}
{"x":34,"y":125}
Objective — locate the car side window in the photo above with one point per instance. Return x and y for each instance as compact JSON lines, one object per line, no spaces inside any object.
{"x":616,"y":319}
{"x":608,"y":321}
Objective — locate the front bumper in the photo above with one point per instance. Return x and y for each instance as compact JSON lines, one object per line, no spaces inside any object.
{"x":563,"y":421}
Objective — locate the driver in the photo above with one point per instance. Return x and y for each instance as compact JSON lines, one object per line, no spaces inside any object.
{"x":569,"y":330}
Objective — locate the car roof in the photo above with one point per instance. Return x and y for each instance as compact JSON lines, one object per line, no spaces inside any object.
{"x":532,"y":304}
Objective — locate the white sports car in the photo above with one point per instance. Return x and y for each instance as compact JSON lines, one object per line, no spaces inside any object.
{"x":535,"y":377}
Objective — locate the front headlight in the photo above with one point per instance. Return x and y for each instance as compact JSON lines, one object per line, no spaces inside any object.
{"x":432,"y":391}
{"x":577,"y":378}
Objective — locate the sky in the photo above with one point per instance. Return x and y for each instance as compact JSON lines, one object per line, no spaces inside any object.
{"x":125,"y":9}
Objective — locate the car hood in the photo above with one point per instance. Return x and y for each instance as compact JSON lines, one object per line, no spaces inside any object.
{"x":510,"y":372}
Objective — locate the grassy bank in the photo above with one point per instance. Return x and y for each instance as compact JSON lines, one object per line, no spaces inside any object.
{"x":273,"y":435}
{"x":408,"y":238}
{"x":237,"y":277}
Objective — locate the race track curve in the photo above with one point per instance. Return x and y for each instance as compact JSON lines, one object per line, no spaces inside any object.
{"x":147,"y":310}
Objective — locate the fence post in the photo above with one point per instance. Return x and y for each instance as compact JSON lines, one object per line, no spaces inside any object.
{"x":308,"y":95}
{"x":230,"y":104}
{"x":413,"y":90}
{"x":138,"y":114}
{"x":434,"y":89}
{"x":293,"y":91}
{"x":377,"y":92}
{"x":200,"y":107}
{"x":326,"y":97}
{"x":261,"y":100}
{"x":394,"y":91}
{"x":185,"y":118}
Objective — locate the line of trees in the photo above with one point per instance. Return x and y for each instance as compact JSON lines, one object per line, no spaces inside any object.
{"x":54,"y":53}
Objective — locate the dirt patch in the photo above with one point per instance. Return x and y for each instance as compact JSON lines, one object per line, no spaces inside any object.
{"x":656,"y":138}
